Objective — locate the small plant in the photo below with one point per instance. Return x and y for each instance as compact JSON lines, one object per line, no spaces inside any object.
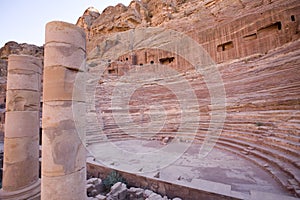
{"x":112,"y":179}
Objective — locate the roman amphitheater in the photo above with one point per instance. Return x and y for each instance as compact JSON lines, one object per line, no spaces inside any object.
{"x":179,"y":99}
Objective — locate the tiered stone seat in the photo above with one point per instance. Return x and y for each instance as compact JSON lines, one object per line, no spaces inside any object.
{"x":262,"y":113}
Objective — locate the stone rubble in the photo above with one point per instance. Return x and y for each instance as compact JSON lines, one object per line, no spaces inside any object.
{"x":119,"y":191}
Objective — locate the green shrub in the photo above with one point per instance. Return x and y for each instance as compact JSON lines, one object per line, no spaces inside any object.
{"x":112,"y":178}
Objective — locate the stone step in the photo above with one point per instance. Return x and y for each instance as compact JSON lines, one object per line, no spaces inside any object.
{"x":278,"y":175}
{"x":279,"y":152}
{"x":281,"y":170}
{"x":276,"y":155}
{"x":284,"y":167}
{"x":262,"y":127}
{"x":269,"y":137}
{"x":271,"y":142}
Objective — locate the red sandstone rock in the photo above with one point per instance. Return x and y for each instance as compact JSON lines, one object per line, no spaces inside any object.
{"x":256,"y":47}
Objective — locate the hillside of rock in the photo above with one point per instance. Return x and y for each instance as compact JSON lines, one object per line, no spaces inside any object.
{"x":188,"y":16}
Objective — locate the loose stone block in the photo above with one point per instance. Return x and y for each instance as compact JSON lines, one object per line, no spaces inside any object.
{"x":63,"y":115}
{"x":21,"y":166}
{"x":22,"y":100}
{"x":65,"y":154}
{"x":24,"y":63}
{"x":63,"y":84}
{"x":63,"y":32}
{"x":71,"y":186}
{"x":66,"y":55}
{"x":23,"y":80}
{"x":20,"y":149}
{"x":22,"y":124}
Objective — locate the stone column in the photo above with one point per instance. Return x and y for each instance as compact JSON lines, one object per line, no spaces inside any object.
{"x":63,"y":152}
{"x":21,"y":141}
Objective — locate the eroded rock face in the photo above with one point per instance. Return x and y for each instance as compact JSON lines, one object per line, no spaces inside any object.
{"x":115,"y":19}
{"x":15,"y":48}
{"x":205,"y":21}
{"x":86,"y":20}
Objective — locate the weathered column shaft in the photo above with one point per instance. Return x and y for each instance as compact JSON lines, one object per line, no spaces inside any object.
{"x":21,"y":142}
{"x":63,"y":152}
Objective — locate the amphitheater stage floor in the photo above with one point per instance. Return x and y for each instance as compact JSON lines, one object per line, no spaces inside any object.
{"x":218,"y":166}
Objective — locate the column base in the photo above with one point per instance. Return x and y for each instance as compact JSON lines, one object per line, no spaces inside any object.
{"x":71,"y":186}
{"x":32,"y":192}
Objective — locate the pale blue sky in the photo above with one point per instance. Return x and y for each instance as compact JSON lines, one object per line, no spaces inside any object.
{"x":24,"y":21}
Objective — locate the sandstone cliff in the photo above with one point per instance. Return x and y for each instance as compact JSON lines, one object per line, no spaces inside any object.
{"x":189,"y":16}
